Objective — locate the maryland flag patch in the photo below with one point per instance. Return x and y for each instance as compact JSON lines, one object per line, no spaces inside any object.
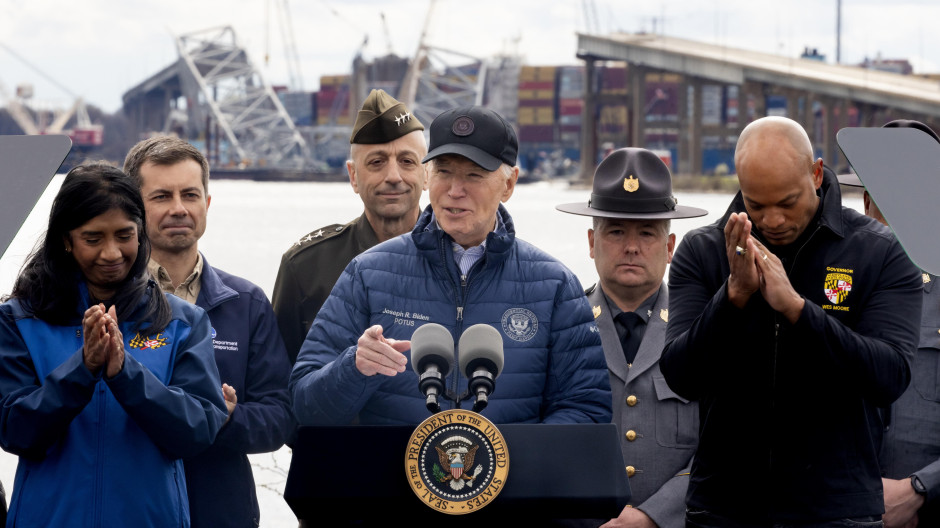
{"x":838,"y":286}
{"x":145,"y":342}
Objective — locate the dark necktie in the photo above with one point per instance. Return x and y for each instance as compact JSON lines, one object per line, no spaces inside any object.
{"x":628,"y":340}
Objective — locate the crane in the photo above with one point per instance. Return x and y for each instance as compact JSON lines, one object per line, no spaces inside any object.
{"x":282,"y":9}
{"x":84,"y":134}
{"x":388,"y":36}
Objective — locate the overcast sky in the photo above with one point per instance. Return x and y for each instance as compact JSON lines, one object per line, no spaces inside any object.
{"x":98,"y":49}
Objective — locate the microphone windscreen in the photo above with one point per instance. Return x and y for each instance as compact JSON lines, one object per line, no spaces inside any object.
{"x":432,"y":343}
{"x":478,"y":343}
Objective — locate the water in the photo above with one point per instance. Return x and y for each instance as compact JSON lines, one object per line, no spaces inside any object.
{"x":252,"y":223}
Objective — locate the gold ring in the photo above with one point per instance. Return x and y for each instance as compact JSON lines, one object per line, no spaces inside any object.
{"x":765,"y":257}
{"x":738,"y":250}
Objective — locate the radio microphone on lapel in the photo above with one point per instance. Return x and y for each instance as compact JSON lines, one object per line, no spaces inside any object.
{"x":481,"y":360}
{"x":432,"y":358}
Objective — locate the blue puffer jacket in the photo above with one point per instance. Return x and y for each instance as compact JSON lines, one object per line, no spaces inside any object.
{"x":554,"y":369}
{"x":105,"y":452}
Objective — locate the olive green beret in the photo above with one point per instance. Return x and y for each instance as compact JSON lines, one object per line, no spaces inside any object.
{"x":382,"y":119}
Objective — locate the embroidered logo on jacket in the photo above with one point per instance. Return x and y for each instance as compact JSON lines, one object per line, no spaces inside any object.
{"x":520,"y":324}
{"x":144,"y":342}
{"x":838,"y":286}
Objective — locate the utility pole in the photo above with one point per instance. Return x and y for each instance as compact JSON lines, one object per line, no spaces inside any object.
{"x":838,"y":31}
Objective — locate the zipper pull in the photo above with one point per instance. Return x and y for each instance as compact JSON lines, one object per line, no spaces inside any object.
{"x":460,"y":313}
{"x":463,"y":281}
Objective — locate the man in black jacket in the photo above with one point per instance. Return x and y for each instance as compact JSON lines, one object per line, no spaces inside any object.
{"x":791,"y":320}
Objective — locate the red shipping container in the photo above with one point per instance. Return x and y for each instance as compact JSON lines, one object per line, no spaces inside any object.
{"x":523,"y":103}
{"x":570,"y":106}
{"x":536,"y":85}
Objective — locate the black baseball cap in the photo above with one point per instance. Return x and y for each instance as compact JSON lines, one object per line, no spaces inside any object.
{"x":476,"y":133}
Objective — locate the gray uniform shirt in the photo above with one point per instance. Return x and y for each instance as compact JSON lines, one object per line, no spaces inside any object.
{"x":658,"y":429}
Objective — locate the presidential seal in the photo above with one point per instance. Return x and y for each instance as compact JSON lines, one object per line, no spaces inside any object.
{"x":457,"y":462}
{"x":519,"y":324}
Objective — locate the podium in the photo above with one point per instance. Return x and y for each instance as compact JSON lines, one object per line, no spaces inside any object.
{"x":348,"y":473}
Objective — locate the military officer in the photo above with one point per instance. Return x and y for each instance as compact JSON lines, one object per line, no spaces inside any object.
{"x":631,"y":244}
{"x":386,"y":148}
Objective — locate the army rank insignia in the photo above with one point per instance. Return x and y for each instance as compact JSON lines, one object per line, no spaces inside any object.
{"x":457,"y":462}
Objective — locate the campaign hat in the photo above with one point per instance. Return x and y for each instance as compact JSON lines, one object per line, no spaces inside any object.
{"x":632,"y":184}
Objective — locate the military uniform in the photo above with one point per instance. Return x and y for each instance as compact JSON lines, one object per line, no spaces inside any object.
{"x":658,"y":429}
{"x":912,"y":436}
{"x":309,"y":270}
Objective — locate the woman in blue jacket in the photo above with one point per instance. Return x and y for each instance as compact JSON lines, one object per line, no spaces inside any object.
{"x":105,"y":383}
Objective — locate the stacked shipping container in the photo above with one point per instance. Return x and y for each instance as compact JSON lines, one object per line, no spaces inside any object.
{"x":333,"y":100}
{"x":537,"y":104}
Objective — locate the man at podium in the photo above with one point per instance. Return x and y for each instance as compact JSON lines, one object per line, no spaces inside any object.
{"x":461,"y":265}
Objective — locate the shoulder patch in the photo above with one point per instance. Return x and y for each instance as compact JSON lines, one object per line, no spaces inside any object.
{"x":316,"y":236}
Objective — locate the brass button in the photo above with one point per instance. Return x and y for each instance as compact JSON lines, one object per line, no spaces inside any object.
{"x":630,"y":471}
{"x":631,"y":400}
{"x":631,"y":435}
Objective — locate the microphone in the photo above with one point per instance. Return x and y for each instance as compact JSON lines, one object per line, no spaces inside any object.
{"x":481,"y":360}
{"x":432,"y":357}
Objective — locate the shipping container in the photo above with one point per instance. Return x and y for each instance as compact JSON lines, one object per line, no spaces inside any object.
{"x":536,"y":133}
{"x":570,"y":107}
{"x":299,"y":106}
{"x":536,"y":85}
{"x":612,"y":80}
{"x":537,"y":74}
{"x":526,"y":95}
{"x":662,"y":98}
{"x":525,"y":103}
{"x":91,"y":136}
{"x":570,"y":81}
{"x":333,"y":80}
{"x":536,"y":116}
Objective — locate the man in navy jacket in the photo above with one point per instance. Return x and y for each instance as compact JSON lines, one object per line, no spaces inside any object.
{"x":461,"y":265}
{"x":253,"y":364}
